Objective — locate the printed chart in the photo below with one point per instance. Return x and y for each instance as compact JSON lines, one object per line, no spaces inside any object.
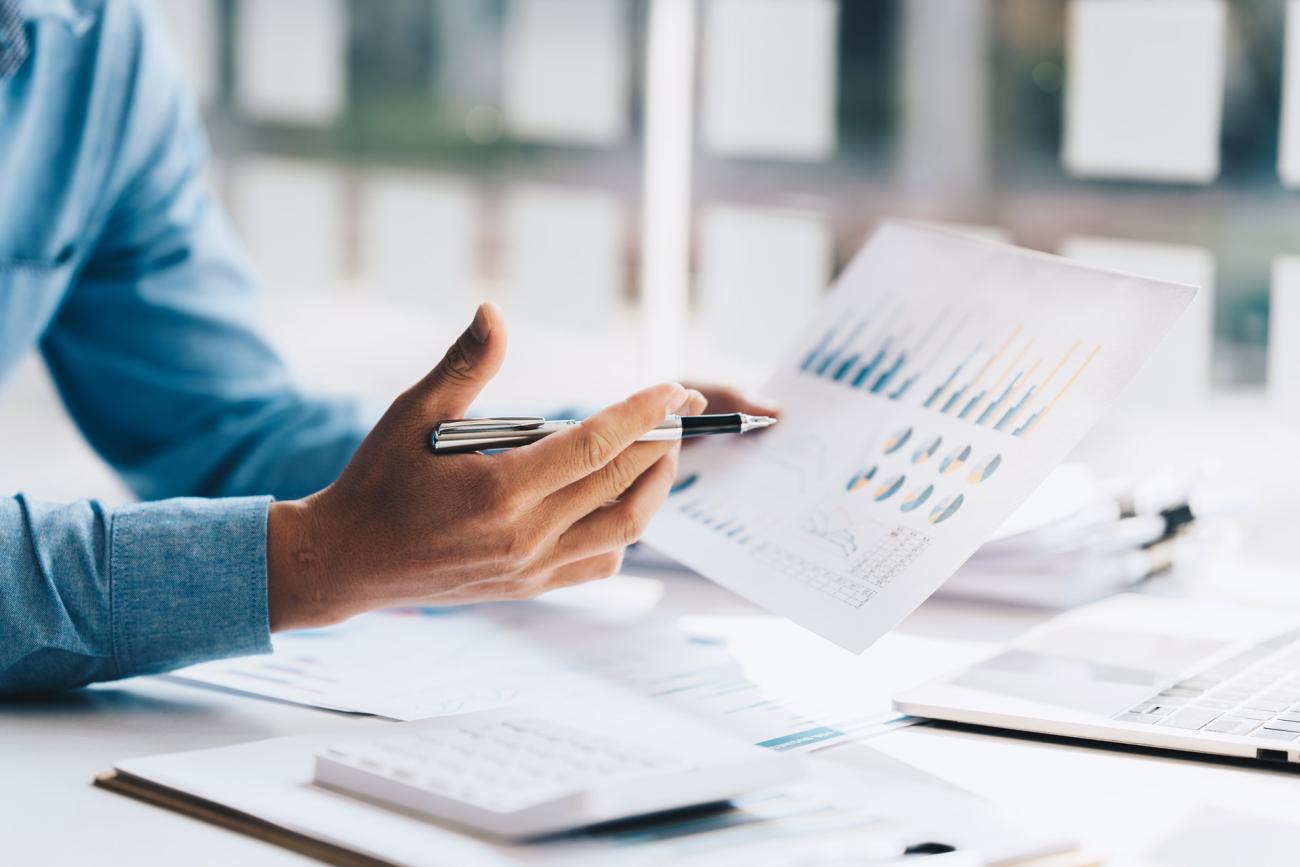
{"x":938,"y":384}
{"x":1008,"y":384}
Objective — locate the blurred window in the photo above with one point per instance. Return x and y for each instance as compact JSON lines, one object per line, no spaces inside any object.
{"x":412,"y":156}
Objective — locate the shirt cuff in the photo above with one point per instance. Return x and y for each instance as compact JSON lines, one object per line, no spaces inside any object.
{"x":188,"y":582}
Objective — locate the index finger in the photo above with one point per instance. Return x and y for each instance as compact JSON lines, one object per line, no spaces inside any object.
{"x":576,"y":452}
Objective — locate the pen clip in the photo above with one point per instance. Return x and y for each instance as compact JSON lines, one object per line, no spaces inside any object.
{"x":489,"y":425}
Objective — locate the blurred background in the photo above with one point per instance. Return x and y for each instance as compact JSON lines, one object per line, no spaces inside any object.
{"x":655,"y":188}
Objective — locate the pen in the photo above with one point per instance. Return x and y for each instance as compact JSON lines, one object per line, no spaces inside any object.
{"x":457,"y":436}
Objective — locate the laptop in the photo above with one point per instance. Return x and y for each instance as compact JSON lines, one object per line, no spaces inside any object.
{"x":1178,"y":674}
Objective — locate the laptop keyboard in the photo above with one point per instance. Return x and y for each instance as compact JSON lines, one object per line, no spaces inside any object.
{"x":1255,"y":693}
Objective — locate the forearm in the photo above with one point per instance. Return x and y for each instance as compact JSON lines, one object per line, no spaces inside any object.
{"x":89,"y":594}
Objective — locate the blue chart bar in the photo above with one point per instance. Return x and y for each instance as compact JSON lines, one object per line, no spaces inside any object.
{"x":952,"y":401}
{"x":889,"y":359}
{"x":821,"y":346}
{"x":993,"y":407}
{"x":947,"y":383}
{"x":974,"y":402}
{"x":845,"y":366}
{"x":869,"y":367}
{"x":833,"y":355}
{"x":890,"y":373}
{"x":827,"y":361}
{"x":934,"y":395}
{"x":902,"y":389}
{"x":1029,"y":423}
{"x":1015,"y":410}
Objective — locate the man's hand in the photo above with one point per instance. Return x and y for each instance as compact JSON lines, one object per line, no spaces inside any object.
{"x":402,"y":526}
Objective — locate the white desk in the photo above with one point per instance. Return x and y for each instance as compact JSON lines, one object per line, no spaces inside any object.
{"x":1115,"y":802}
{"x":51,"y":748}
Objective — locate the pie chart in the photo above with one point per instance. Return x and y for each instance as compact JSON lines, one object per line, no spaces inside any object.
{"x":915,"y":499}
{"x":897,"y":439}
{"x":985,"y":468}
{"x":926,"y":450}
{"x":952,"y":462}
{"x":946,"y":508}
{"x":889,"y":487}
{"x":859,"y":479}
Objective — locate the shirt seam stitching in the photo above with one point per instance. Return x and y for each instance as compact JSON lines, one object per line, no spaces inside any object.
{"x":118,"y":548}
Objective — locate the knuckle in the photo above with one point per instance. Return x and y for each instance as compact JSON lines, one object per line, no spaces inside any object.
{"x":630,"y":527}
{"x":523,"y":547}
{"x":619,"y":477}
{"x":498,"y":500}
{"x":507,"y":505}
{"x":597,"y":445}
{"x":456,"y":365}
{"x":529,"y":588}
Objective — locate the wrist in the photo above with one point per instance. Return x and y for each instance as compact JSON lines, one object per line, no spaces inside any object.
{"x":296,"y":583}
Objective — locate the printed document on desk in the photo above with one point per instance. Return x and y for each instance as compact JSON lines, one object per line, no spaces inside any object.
{"x":744,"y":675}
{"x":937,"y":385}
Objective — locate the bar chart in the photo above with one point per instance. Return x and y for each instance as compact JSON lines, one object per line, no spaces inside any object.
{"x":1004,"y":379}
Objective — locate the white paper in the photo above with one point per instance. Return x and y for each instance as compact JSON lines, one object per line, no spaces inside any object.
{"x":1284,"y":337}
{"x":761,"y":273}
{"x":747,"y":676}
{"x":419,"y":240}
{"x":769,"y":78}
{"x":1288,"y":152}
{"x":566,"y":70}
{"x":936,"y":387}
{"x":290,"y":60}
{"x":563,"y":256}
{"x":291,"y":215}
{"x":193,"y":27}
{"x":979,"y":231}
{"x":1144,"y":88}
{"x":1178,"y":373}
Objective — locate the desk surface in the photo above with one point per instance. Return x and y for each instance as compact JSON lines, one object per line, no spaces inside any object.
{"x":50,"y":749}
{"x":1114,"y":802}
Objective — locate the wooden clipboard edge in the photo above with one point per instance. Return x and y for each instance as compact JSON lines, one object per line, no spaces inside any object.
{"x":233,"y":820}
{"x":328,"y":853}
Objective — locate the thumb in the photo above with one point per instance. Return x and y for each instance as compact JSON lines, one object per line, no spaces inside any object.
{"x":448,"y":390}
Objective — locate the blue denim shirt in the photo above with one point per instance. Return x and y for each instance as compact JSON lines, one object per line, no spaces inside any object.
{"x":120,"y":268}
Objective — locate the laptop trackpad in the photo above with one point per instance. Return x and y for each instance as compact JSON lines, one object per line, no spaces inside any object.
{"x":1096,"y":670}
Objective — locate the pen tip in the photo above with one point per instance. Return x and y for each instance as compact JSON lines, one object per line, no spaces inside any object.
{"x":756,"y":422}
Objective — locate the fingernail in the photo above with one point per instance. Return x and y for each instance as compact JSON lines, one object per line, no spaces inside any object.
{"x":690,"y":397}
{"x":481,"y":327}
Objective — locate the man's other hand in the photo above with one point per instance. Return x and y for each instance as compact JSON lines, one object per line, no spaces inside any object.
{"x":726,"y":398}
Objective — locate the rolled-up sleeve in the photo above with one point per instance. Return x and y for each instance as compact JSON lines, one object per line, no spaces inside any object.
{"x":187,"y":582}
{"x":157,"y":359}
{"x":89,"y":593}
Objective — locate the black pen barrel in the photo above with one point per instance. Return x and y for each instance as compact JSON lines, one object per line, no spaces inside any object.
{"x":705,"y":425}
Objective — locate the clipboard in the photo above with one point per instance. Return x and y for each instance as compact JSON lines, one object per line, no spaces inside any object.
{"x":338,"y":856}
{"x":233,"y":820}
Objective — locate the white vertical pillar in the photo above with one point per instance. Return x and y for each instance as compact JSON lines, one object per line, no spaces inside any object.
{"x":1284,"y":337}
{"x":946,"y":103}
{"x":666,"y":196}
{"x":1288,"y":151}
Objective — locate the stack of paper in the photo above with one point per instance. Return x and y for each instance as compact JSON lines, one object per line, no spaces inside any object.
{"x":1078,"y":539}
